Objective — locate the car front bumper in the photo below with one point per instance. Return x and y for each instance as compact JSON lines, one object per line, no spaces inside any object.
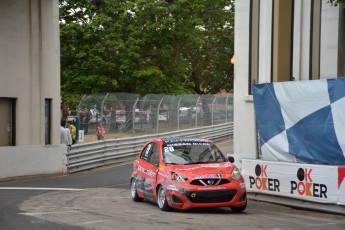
{"x":206,"y":197}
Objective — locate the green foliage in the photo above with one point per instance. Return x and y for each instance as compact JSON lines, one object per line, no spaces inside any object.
{"x":146,"y":46}
{"x":335,"y":2}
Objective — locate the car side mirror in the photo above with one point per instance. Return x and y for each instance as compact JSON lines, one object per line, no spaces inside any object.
{"x":231,"y":159}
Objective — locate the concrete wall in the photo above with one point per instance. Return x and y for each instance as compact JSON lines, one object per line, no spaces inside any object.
{"x":330,"y":42}
{"x":244,"y":126}
{"x":30,"y":65}
{"x":32,"y":160}
{"x":30,"y":73}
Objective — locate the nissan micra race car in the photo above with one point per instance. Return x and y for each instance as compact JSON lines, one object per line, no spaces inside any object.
{"x":185,"y":173}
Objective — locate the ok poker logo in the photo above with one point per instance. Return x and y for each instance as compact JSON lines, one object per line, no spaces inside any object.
{"x":262,"y":182}
{"x":305,"y":186}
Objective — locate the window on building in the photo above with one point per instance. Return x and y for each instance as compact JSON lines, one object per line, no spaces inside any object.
{"x":7,"y":121}
{"x":254,"y":43}
{"x":341,"y":65}
{"x":47,"y":121}
{"x":282,"y":40}
{"x":315,"y":28}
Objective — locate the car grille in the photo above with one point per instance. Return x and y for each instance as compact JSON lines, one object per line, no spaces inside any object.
{"x":209,"y":182}
{"x":215,"y":196}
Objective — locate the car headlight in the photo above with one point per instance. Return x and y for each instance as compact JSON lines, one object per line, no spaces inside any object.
{"x":236,"y":174}
{"x":177,"y":177}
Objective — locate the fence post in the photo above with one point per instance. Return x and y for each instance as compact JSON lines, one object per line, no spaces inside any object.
{"x":212,"y":116}
{"x":157,"y":117}
{"x":178,"y":113}
{"x":102,"y":106}
{"x":196,"y":112}
{"x":226,"y":108}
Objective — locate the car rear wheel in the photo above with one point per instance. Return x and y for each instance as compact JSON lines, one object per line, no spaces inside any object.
{"x":239,"y":208}
{"x":134,"y":194}
{"x":162,"y":200}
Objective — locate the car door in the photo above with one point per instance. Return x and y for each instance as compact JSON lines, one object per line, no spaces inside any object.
{"x":147,"y":170}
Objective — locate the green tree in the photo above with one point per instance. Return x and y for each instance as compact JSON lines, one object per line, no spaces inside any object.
{"x":336,"y":2}
{"x":146,"y":46}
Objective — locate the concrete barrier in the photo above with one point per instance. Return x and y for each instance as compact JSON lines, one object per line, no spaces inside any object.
{"x":32,"y":160}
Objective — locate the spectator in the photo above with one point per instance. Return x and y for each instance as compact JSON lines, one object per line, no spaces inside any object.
{"x":100,"y":131}
{"x":65,"y":134}
{"x":73,"y":132}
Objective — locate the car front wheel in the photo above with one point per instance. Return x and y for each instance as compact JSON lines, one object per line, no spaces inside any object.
{"x":134,"y":194}
{"x":161,"y":199}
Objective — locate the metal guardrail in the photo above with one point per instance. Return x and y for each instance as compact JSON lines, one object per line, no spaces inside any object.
{"x":96,"y":154}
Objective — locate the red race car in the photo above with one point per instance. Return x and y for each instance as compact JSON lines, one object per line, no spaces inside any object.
{"x":184,"y":173}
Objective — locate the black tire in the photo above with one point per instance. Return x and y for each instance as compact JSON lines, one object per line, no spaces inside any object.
{"x":134,"y":193}
{"x":239,"y":209}
{"x":162,"y":200}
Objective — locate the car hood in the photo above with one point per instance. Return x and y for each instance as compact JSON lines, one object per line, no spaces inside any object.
{"x":202,"y":170}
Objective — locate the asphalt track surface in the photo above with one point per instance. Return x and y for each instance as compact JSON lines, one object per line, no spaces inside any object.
{"x":100,"y":199}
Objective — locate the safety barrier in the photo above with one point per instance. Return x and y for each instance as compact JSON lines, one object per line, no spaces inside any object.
{"x":95,"y":154}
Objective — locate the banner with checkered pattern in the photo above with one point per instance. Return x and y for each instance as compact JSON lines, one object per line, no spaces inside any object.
{"x":301,"y":121}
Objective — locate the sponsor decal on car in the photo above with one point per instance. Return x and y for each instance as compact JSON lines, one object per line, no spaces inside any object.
{"x":147,"y":151}
{"x":162,"y":174}
{"x":209,"y":176}
{"x":211,"y":188}
{"x":186,"y":140}
{"x":213,"y":176}
{"x":172,"y":187}
{"x":145,"y":171}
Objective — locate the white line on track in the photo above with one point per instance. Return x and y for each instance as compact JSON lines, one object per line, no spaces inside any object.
{"x":318,"y":225}
{"x":33,"y":188}
{"x":93,"y":222}
{"x":43,"y":213}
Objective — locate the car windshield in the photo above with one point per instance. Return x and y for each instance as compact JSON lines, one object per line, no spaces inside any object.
{"x":191,"y":153}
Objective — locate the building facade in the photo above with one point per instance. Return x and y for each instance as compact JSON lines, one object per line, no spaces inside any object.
{"x":281,"y":40}
{"x":30,"y":87}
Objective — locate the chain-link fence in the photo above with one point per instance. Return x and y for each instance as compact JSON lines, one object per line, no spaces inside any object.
{"x":125,"y":114}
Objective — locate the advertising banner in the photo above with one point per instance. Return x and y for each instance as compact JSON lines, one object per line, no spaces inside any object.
{"x":301,"y":121}
{"x":317,"y":183}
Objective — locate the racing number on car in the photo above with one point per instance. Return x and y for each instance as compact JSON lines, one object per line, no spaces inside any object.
{"x":168,"y":149}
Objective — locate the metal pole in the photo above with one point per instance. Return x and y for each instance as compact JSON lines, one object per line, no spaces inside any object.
{"x":226,"y":108}
{"x":102,"y":106}
{"x":133,"y":113}
{"x":78,"y":109}
{"x":196,"y":112}
{"x":178,"y":113}
{"x":157,"y":117}
{"x":213,"y":108}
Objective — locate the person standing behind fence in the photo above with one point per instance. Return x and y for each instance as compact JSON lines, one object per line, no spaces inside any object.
{"x":73,"y":132}
{"x":65,"y":134}
{"x":100,"y":131}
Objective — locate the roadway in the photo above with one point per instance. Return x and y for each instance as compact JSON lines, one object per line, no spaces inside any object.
{"x":100,"y":199}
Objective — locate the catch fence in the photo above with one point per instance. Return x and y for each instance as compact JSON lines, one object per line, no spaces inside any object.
{"x":126,"y":114}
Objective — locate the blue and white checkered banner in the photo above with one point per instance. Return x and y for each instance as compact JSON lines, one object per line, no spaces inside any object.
{"x":302,"y":121}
